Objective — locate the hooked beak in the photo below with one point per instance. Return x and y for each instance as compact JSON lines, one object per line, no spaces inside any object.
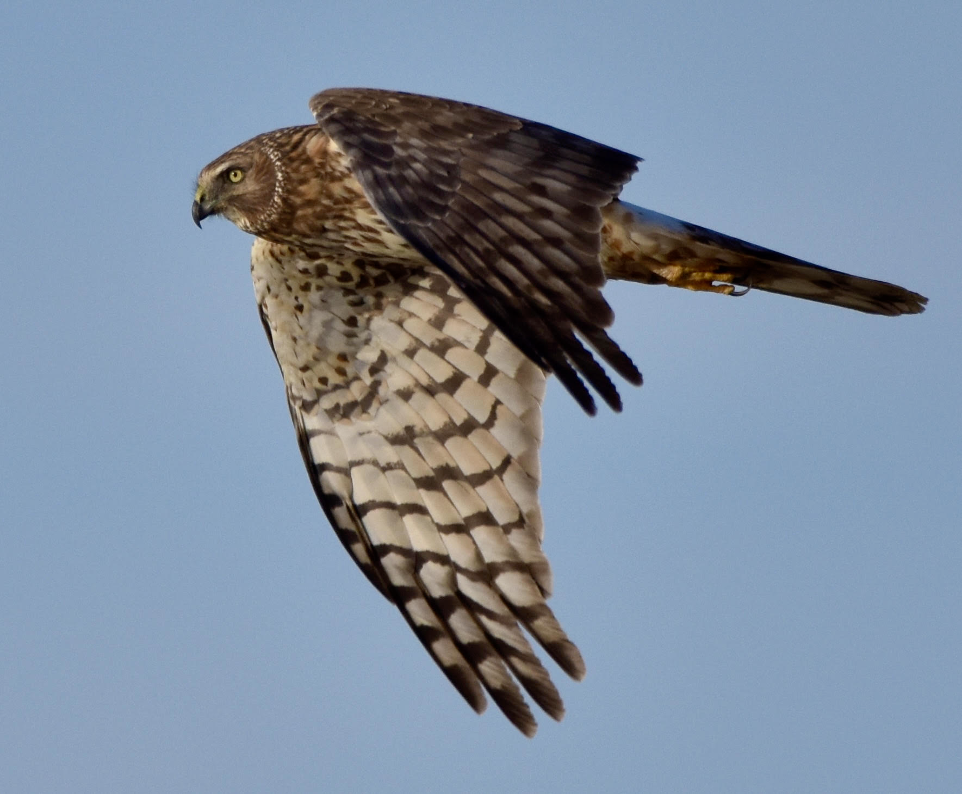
{"x":199,"y":210}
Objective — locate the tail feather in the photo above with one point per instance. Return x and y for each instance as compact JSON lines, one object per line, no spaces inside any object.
{"x":644,"y":246}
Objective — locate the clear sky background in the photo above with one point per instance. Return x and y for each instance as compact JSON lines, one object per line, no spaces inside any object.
{"x":760,"y":558}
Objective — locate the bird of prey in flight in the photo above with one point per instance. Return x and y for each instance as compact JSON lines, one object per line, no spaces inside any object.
{"x":421,"y":266}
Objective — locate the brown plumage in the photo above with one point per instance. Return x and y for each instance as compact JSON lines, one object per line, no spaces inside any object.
{"x":420,"y":265}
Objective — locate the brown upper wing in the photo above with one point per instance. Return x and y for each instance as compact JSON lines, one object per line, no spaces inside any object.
{"x":509,"y":209}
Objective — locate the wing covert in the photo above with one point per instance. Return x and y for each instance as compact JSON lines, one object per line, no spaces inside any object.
{"x":509,"y":209}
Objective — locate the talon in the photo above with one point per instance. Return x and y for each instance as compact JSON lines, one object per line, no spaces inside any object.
{"x":744,"y":291}
{"x":730,"y":288}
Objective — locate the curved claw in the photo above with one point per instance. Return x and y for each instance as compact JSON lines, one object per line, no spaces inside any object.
{"x":744,"y":291}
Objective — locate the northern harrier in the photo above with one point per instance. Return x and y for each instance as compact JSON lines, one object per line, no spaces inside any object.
{"x":421,"y":266}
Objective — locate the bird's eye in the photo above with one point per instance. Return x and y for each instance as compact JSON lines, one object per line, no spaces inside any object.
{"x":235,"y":175}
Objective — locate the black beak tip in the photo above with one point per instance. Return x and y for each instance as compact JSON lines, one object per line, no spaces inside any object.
{"x":197,"y":213}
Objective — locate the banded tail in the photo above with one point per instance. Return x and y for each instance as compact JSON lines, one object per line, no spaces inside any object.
{"x":644,"y":246}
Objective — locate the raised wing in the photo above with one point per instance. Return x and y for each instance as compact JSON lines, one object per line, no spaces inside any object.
{"x":420,"y":426}
{"x":509,"y":209}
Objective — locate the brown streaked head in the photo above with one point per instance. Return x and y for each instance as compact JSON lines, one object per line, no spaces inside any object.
{"x":241,"y":185}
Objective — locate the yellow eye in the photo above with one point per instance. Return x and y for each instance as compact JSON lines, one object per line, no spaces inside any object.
{"x":235,"y":175}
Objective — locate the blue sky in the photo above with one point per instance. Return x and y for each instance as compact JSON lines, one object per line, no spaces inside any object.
{"x":760,"y":558}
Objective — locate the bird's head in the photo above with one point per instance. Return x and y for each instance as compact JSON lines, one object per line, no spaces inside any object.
{"x":242,"y":186}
